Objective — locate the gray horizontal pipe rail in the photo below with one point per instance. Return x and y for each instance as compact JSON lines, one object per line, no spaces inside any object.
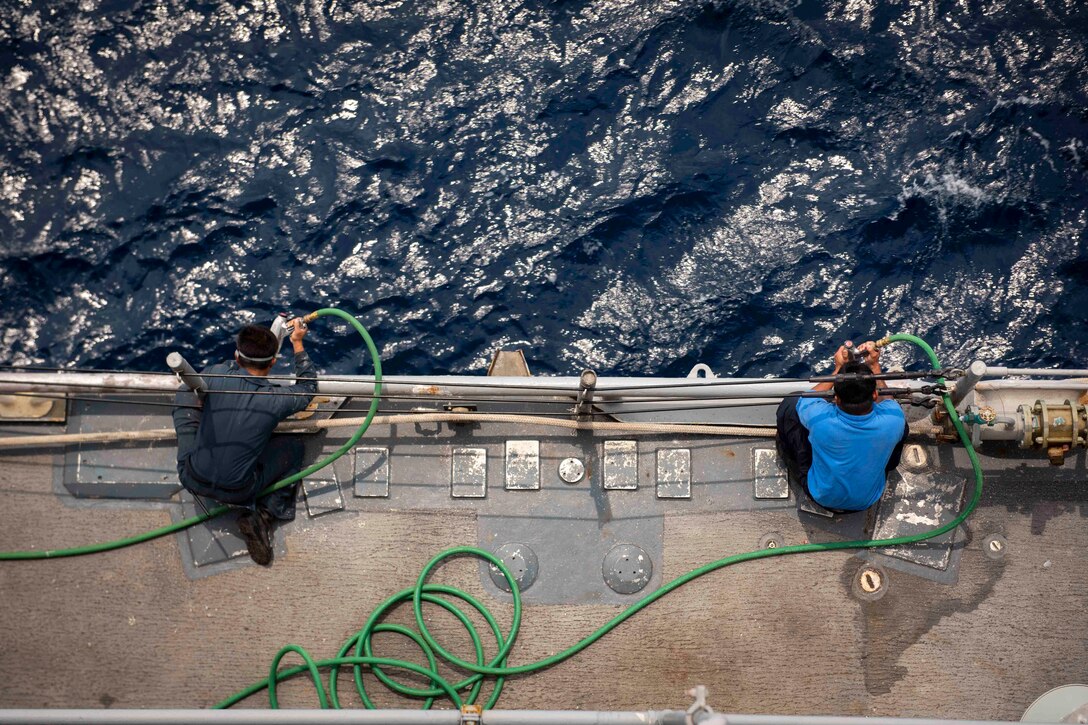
{"x":1031,"y":385}
{"x":438,"y":387}
{"x":438,"y":717}
{"x":993,"y":371}
{"x":617,"y":389}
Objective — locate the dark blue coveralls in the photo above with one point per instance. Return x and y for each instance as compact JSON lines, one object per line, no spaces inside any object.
{"x":223,"y":448}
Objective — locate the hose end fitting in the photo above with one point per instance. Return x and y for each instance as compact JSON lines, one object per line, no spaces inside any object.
{"x":883,"y":342}
{"x":310,"y":317}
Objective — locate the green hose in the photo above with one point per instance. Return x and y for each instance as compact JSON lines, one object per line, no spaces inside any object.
{"x":424,"y":592}
{"x":180,"y":525}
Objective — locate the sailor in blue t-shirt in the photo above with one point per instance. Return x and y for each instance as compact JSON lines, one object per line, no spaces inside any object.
{"x":841,"y":451}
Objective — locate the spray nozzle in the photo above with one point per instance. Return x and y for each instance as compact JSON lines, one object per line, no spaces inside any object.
{"x":280,"y":328}
{"x":853,"y":354}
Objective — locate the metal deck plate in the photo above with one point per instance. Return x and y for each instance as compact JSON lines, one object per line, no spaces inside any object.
{"x":674,"y":473}
{"x":620,"y":465}
{"x":468,"y":473}
{"x":214,"y":546}
{"x":571,"y":555}
{"x":322,"y":494}
{"x":137,"y":470}
{"x":769,"y":475}
{"x":918,"y":502}
{"x":523,"y":465}
{"x":372,"y":472}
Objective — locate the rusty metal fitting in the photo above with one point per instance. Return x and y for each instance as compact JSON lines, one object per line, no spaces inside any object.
{"x":1058,"y":428}
{"x":471,"y":714}
{"x":1056,"y":454}
{"x":948,"y":433}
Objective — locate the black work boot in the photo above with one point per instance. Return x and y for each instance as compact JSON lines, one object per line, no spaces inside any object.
{"x":256,"y":529}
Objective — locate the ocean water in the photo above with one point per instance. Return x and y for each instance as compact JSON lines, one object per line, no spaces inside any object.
{"x":629,"y":186}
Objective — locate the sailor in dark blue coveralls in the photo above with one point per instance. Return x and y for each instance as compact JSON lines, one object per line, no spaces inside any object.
{"x":841,"y":451}
{"x":223,"y":447}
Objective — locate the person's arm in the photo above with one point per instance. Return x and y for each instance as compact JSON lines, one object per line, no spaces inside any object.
{"x":840,"y":360}
{"x":873,"y":360}
{"x":187,"y":410}
{"x":305,"y":374}
{"x":188,"y":407}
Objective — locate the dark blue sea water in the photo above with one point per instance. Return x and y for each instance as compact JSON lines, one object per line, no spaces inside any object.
{"x":629,"y":186}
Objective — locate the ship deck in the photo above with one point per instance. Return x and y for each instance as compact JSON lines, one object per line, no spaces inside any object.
{"x":957,"y":629}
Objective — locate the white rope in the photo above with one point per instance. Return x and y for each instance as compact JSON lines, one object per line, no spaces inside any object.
{"x":311,"y":427}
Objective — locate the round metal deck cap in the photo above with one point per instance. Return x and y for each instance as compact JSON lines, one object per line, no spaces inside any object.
{"x":572,"y":470}
{"x":1065,"y":704}
{"x":627,"y":568}
{"x":870,"y":583}
{"x":522,"y":563}
{"x":773,"y":540}
{"x":995,"y":546}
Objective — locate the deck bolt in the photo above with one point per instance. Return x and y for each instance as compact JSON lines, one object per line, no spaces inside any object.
{"x":995,"y":546}
{"x":771,"y":540}
{"x":870,"y":581}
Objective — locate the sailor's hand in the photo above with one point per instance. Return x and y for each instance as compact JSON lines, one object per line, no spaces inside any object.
{"x":871,"y":353}
{"x":298,"y":330}
{"x":841,"y":357}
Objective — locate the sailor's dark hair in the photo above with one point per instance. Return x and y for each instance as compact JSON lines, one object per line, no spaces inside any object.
{"x":256,"y":342}
{"x":856,"y":395}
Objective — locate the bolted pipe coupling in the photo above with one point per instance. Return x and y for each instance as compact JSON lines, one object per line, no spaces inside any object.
{"x":1056,"y":428}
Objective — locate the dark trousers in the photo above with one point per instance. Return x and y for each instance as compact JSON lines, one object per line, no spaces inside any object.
{"x":281,"y":457}
{"x":791,"y":439}
{"x":793,"y":445}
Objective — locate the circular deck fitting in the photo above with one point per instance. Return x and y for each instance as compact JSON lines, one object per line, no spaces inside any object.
{"x":870,"y":583}
{"x":627,"y":569}
{"x":995,"y":546}
{"x":1065,"y":704}
{"x":522,"y":563}
{"x":572,"y":470}
{"x":915,"y":457}
{"x":773,"y":540}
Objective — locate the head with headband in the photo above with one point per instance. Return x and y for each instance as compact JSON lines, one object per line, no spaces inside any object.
{"x":257,"y":348}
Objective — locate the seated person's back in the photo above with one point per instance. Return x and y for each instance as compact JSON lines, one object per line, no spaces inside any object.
{"x":840,"y":451}
{"x":850,"y":452}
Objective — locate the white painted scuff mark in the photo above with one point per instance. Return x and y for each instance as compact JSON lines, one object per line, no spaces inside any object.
{"x":913,"y":518}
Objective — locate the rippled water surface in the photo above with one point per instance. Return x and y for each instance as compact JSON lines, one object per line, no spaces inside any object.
{"x":629,"y":186}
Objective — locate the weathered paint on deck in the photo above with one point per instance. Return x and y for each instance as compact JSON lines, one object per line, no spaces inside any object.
{"x":129,"y":629}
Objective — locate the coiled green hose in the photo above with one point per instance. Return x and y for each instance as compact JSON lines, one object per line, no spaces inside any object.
{"x":192,"y":521}
{"x":424,"y":592}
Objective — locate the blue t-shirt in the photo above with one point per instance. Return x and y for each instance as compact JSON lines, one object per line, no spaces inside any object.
{"x":849,"y":452}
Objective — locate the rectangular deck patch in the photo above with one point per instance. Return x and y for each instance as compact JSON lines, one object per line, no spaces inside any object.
{"x":920,"y":502}
{"x":621,"y":465}
{"x":372,"y":472}
{"x":522,"y":465}
{"x":322,"y":494}
{"x":768,"y":475}
{"x":468,"y":475}
{"x":674,"y":473}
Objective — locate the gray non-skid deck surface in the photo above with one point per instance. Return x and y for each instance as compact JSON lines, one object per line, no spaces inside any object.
{"x":129,"y":629}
